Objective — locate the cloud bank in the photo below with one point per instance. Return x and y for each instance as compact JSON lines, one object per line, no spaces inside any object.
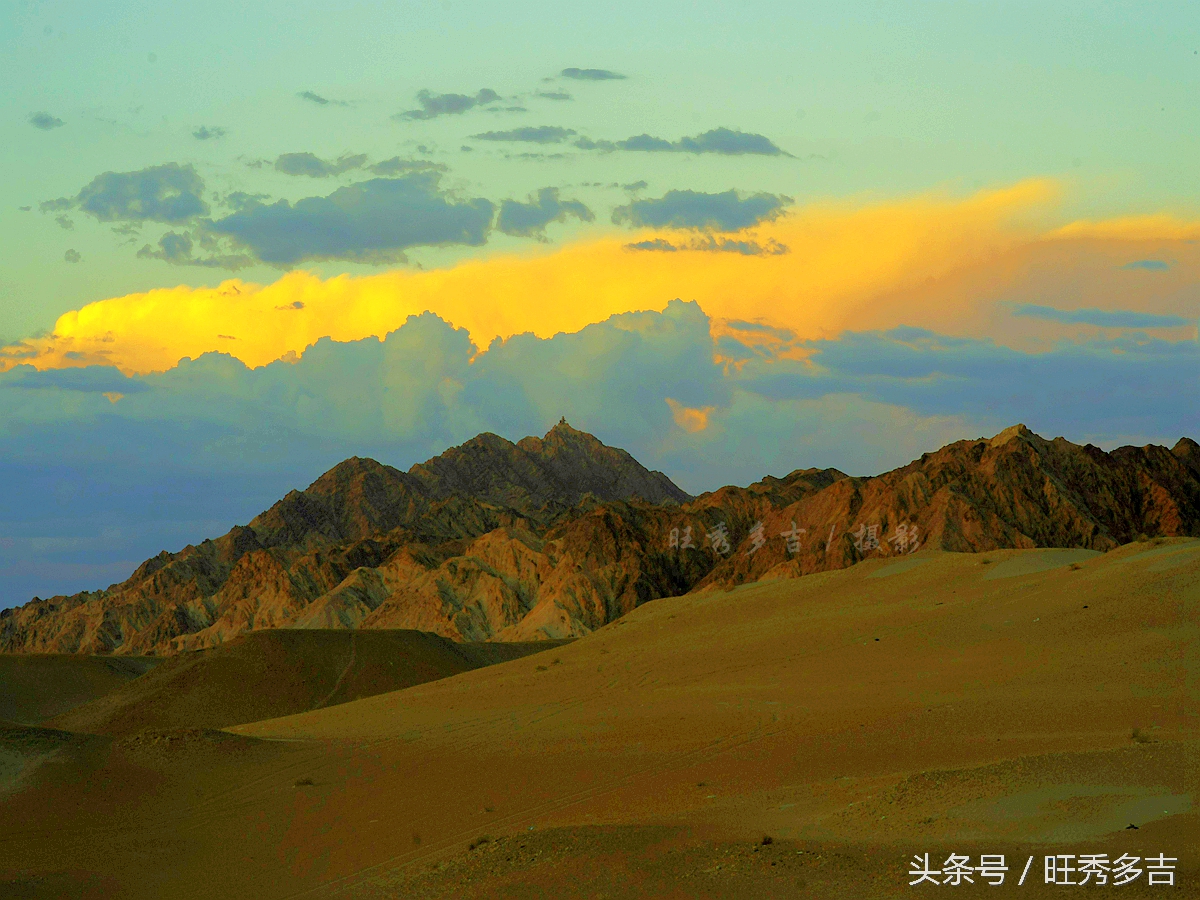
{"x":105,"y":467}
{"x":956,"y":266}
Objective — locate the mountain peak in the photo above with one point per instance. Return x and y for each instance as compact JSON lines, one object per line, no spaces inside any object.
{"x":1011,"y":433}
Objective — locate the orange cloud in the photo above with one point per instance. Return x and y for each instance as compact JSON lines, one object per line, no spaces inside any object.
{"x":690,"y":420}
{"x":921,"y":261}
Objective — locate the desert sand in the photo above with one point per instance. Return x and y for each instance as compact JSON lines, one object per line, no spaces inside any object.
{"x":1019,"y":702}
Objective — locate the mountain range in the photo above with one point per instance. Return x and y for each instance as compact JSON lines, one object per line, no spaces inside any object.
{"x":558,"y":536}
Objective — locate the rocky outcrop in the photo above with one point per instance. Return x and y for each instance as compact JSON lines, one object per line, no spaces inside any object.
{"x":555,"y":537}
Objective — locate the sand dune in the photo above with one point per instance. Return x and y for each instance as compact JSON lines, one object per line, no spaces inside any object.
{"x":853,"y":719}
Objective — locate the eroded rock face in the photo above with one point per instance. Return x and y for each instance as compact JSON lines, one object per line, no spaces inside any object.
{"x":555,"y":537}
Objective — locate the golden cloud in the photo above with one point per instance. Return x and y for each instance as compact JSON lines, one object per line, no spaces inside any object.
{"x":927,"y":261}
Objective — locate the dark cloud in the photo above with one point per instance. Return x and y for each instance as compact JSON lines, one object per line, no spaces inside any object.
{"x":314,"y":167}
{"x":710,"y":244}
{"x":530,"y":219}
{"x":635,"y":186}
{"x":396,"y":166}
{"x":319,"y":100}
{"x":541,"y":134}
{"x":241,"y":199}
{"x":1102,"y":318}
{"x":206,"y":133}
{"x":72,"y":256}
{"x":657,"y":245}
{"x":728,"y":211}
{"x":170,"y":193}
{"x":64,"y":223}
{"x":25,"y":208}
{"x":724,"y":141}
{"x":591,"y":74}
{"x":45,"y":121}
{"x":434,"y":105}
{"x":554,"y":95}
{"x":1150,"y":265}
{"x":176,"y":249}
{"x":373,"y":221}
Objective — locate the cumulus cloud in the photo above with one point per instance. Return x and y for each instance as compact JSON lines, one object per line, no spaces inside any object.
{"x":554,"y":95}
{"x":314,"y":167}
{"x":373,"y":221}
{"x":72,"y":256}
{"x":208,"y":133}
{"x":1150,"y":265}
{"x":1101,"y":318}
{"x":727,"y":211}
{"x":65,"y":223}
{"x":530,"y":219}
{"x":45,"y":121}
{"x":170,"y":193}
{"x":591,"y":74}
{"x":717,"y":140}
{"x":319,"y":100}
{"x":434,"y":105}
{"x":541,"y":134}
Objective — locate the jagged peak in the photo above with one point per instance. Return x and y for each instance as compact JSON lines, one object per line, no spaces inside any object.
{"x":560,"y":435}
{"x":1011,"y":433}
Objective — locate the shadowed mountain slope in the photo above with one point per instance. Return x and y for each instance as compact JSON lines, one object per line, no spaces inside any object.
{"x":556,"y":537}
{"x":290,"y":671}
{"x":37,"y":687}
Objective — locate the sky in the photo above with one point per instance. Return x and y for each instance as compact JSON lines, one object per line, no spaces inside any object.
{"x":239,"y":246}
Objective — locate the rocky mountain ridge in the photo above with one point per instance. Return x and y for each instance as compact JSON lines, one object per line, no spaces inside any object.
{"x":557,"y":536}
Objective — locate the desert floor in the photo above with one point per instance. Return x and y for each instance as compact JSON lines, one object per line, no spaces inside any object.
{"x":802,"y":738}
